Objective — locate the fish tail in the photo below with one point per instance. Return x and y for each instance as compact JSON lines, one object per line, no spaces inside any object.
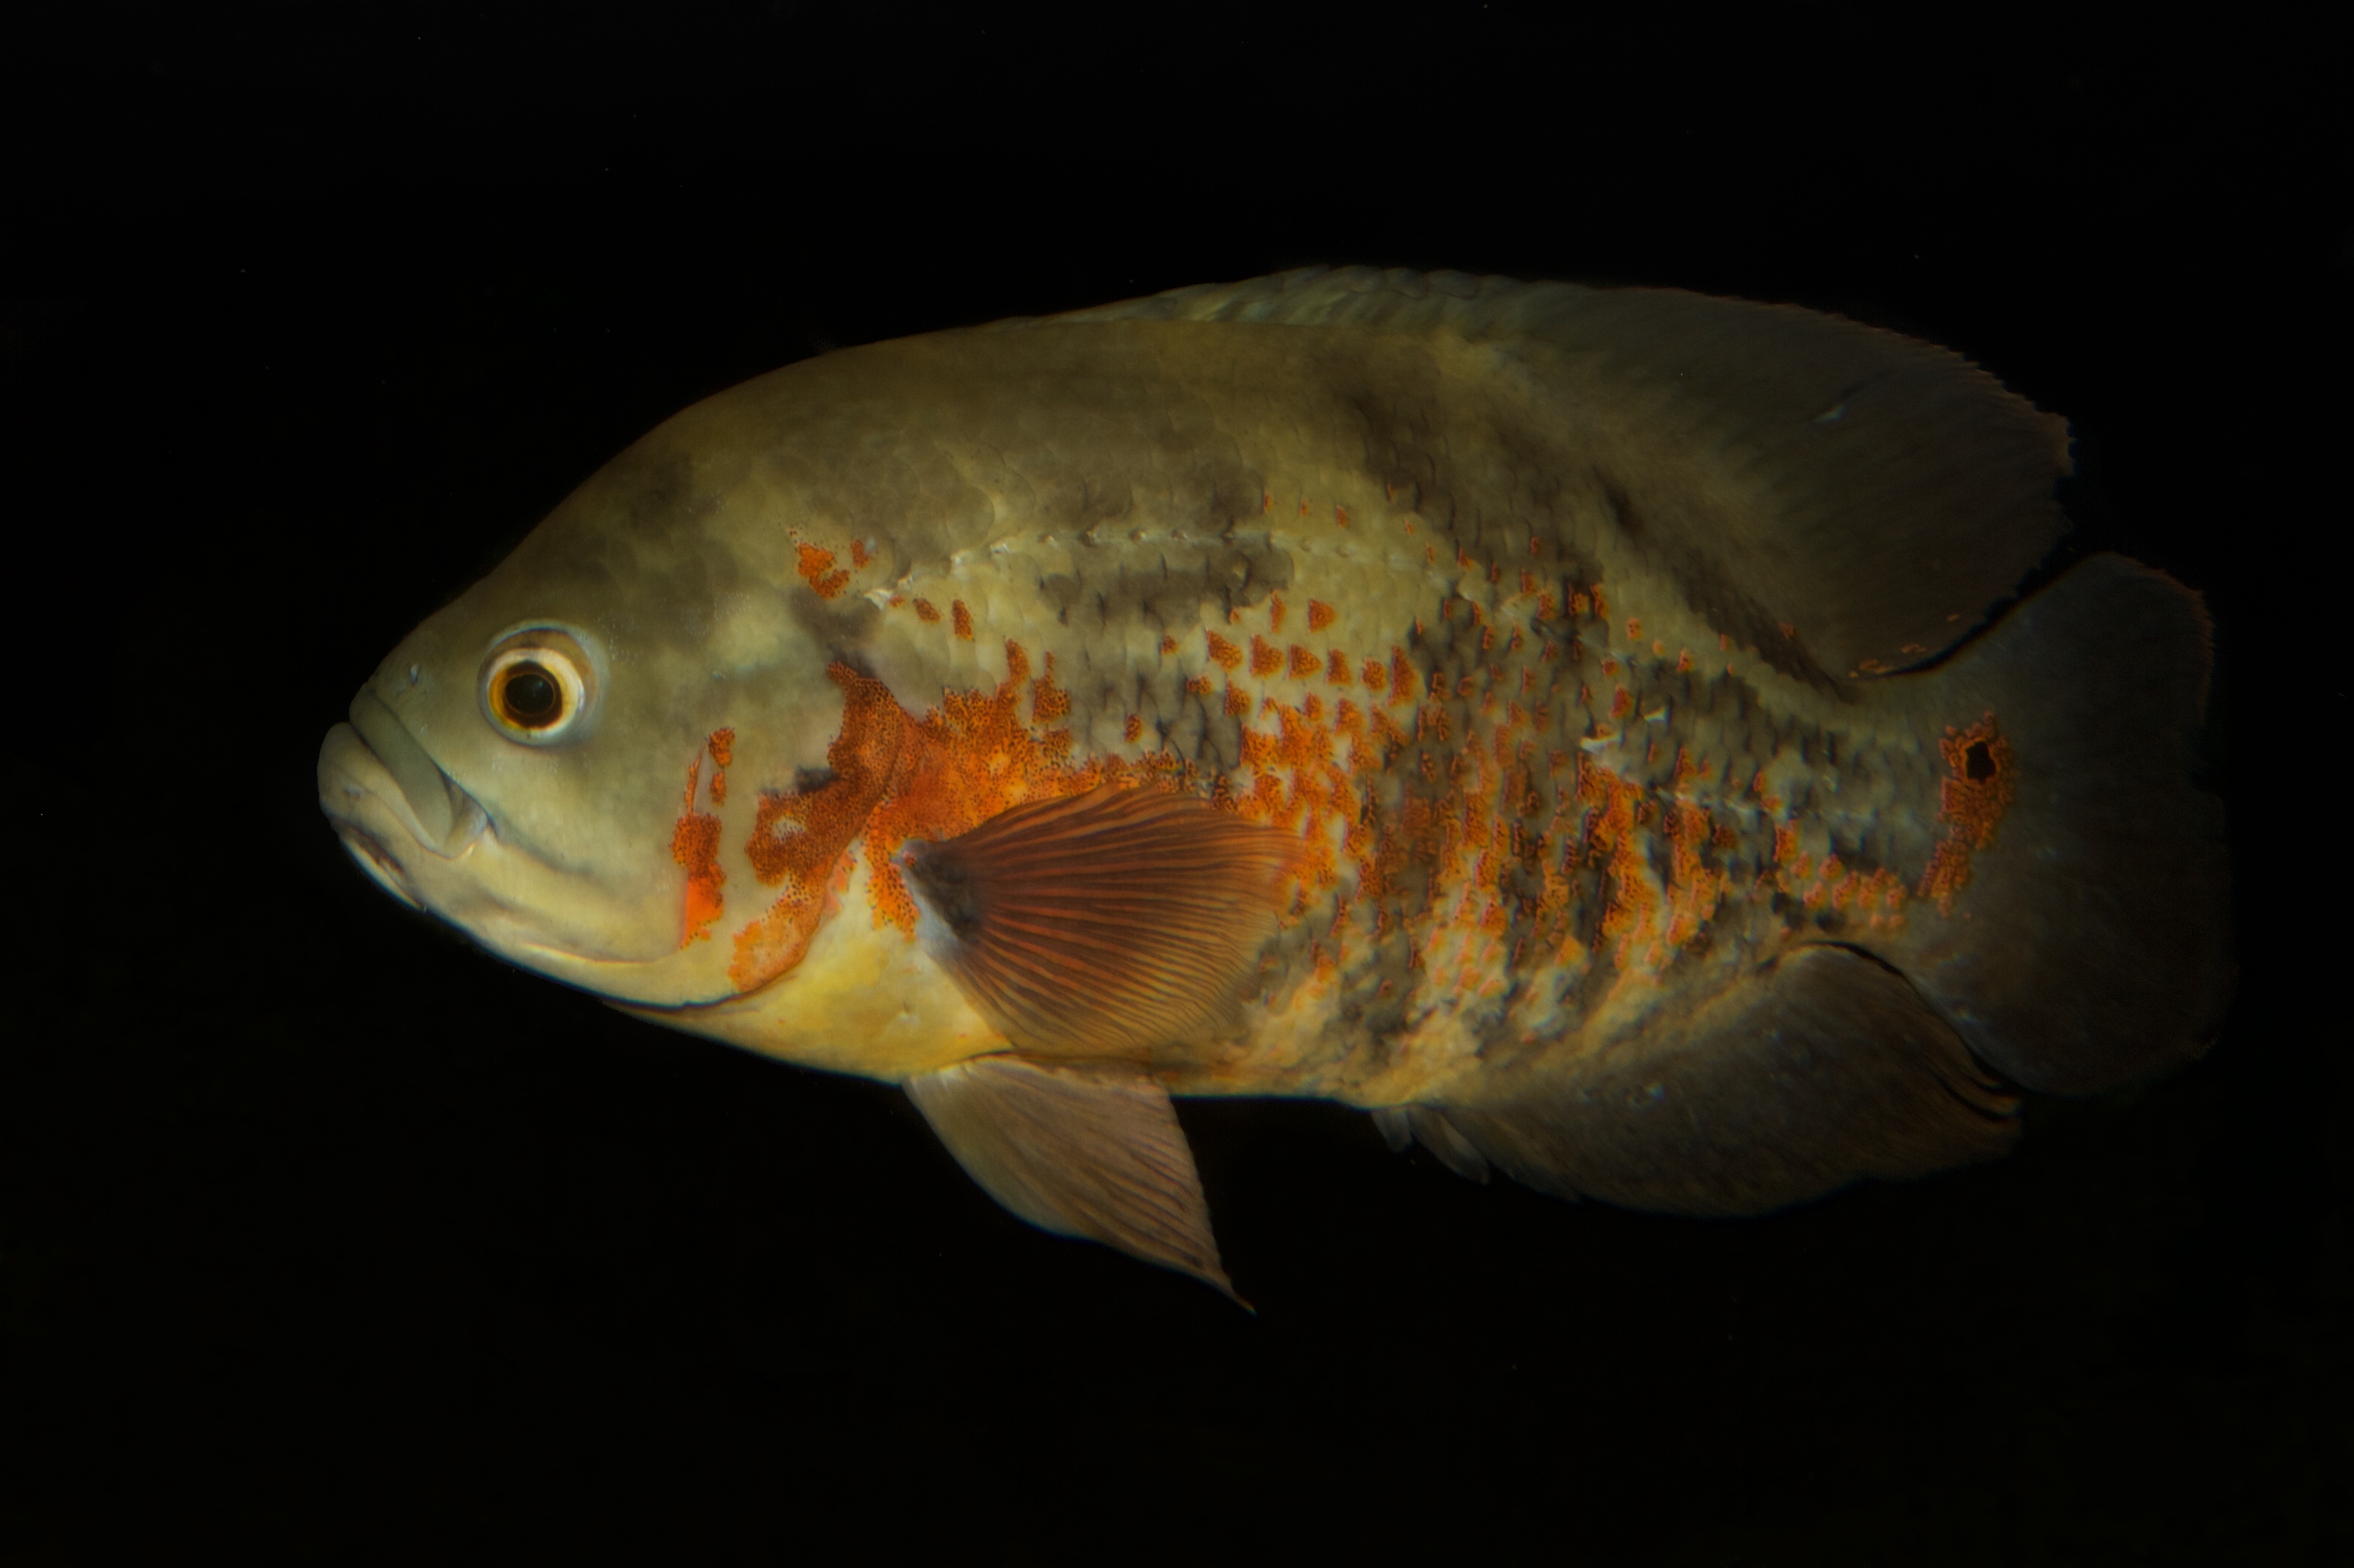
{"x":2073,"y":921}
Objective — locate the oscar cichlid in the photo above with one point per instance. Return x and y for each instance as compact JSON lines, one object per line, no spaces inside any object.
{"x":1590,"y":729}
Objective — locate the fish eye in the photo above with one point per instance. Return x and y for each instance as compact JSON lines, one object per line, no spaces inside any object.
{"x":536,"y":686}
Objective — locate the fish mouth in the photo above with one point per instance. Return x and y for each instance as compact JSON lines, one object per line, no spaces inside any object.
{"x":390,"y":801}
{"x":423,"y":839}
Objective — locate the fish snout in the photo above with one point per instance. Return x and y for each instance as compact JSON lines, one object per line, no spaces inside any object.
{"x":389,"y":802}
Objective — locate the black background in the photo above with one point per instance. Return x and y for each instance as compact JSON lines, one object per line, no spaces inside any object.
{"x":324,"y":1239}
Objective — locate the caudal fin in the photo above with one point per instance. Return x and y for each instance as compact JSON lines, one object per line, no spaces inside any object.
{"x":2080,"y":932}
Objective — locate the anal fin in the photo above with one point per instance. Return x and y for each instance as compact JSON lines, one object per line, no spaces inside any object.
{"x":1088,"y":1150}
{"x":1826,"y":1067}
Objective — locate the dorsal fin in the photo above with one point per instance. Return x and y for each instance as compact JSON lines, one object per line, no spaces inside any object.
{"x":1873,"y":493}
{"x":1104,"y":924}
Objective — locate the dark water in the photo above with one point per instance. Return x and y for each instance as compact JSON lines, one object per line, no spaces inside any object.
{"x":324,"y":1238}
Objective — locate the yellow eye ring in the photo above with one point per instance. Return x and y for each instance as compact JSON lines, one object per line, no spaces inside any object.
{"x":537,"y":687}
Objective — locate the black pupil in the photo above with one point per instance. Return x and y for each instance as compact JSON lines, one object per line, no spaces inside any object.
{"x":530,"y":696}
{"x":1978,"y":761}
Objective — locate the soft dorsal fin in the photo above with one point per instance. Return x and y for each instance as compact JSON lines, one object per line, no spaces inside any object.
{"x":1873,"y":493}
{"x":1089,"y":1149}
{"x":1106,"y":924}
{"x":1823,"y":1068}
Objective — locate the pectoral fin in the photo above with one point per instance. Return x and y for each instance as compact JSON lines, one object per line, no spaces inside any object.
{"x":1107,"y":923}
{"x":1089,"y":1150}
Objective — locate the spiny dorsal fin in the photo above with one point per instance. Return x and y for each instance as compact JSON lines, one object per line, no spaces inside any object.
{"x":1089,"y":1150}
{"x":1106,"y":924}
{"x":1874,"y":494}
{"x":1823,"y":1068}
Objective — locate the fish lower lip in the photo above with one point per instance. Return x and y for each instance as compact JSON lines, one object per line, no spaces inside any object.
{"x":381,"y":865}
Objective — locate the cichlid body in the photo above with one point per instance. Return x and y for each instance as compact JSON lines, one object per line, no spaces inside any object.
{"x":1586,"y":728}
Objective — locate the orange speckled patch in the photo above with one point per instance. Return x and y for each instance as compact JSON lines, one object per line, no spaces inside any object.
{"x":1971,"y":800}
{"x":859,"y":554}
{"x":1168,"y":646}
{"x":1274,"y":612}
{"x":798,"y":835}
{"x":1265,"y":659}
{"x":925,"y":614}
{"x":1304,"y":662}
{"x":695,"y":844}
{"x":1320,"y":615}
{"x":1133,"y":730}
{"x":960,"y":619}
{"x":816,"y":568}
{"x":1336,"y":669}
{"x":1228,"y":656}
{"x":1615,"y":808}
{"x":1048,"y":702}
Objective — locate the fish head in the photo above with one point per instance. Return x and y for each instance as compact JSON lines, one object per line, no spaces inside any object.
{"x":569,"y":760}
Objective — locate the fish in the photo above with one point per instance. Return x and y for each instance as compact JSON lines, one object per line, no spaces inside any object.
{"x":1645,"y":744}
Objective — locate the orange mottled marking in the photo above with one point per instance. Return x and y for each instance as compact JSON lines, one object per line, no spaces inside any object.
{"x":1336,"y":669}
{"x":925,"y":614}
{"x":798,"y":836}
{"x":1200,"y":685}
{"x":1341,"y":517}
{"x":1168,"y":646}
{"x":1226,"y":654}
{"x":1621,"y":704}
{"x":1238,"y":702}
{"x":1320,"y":615}
{"x":1971,"y":800}
{"x":1304,"y":662}
{"x":859,"y":554}
{"x":1017,"y":661}
{"x":1614,"y":812}
{"x":1377,"y":675}
{"x":960,"y":619}
{"x":1048,"y":702}
{"x":816,"y":568}
{"x":814,"y":562}
{"x":695,"y":844}
{"x":1275,"y":613}
{"x":1265,"y":659}
{"x":1133,"y":730}
{"x":722,"y":746}
{"x":1695,"y":888}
